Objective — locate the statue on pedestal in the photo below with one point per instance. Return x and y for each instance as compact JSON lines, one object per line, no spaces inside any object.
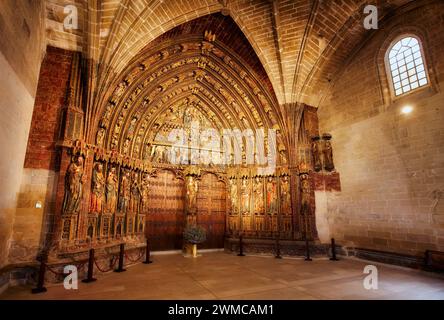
{"x":135,"y":194}
{"x":98,"y":188}
{"x":111,"y":190}
{"x":258,"y":193}
{"x":317,"y":164}
{"x":125,"y":191}
{"x":271,"y":196}
{"x":328,"y":153}
{"x":144,"y":192}
{"x":191,"y":199}
{"x":73,"y":187}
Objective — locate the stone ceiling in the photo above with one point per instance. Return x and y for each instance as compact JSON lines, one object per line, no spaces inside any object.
{"x":302,"y":44}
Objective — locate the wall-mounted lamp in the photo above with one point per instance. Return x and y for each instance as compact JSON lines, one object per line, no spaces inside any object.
{"x":406,"y":109}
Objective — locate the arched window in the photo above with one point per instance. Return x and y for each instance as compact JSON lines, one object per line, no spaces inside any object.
{"x":406,"y":64}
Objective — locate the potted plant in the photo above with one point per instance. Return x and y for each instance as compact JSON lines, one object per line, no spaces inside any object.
{"x":194,"y":235}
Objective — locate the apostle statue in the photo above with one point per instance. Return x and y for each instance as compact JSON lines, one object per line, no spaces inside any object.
{"x":285,"y":196}
{"x":258,"y":196}
{"x":233,"y":195}
{"x":144,"y":192}
{"x":73,"y":187}
{"x":111,"y":190}
{"x":245,"y":197}
{"x":305,"y":194}
{"x":316,"y":153}
{"x":328,"y":153}
{"x":271,"y":196}
{"x":98,"y":188}
{"x":124,"y":191}
{"x":135,"y":193}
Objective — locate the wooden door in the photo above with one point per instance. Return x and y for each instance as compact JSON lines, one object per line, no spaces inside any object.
{"x":211,"y":210}
{"x":165,"y":219}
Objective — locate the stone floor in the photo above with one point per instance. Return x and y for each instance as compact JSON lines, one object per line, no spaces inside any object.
{"x":219,"y":275}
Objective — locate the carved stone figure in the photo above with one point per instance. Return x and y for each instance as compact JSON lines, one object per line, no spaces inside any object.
{"x":271,"y":196}
{"x":317,"y":164}
{"x":233,"y":195}
{"x":98,"y":189}
{"x":111,"y":190}
{"x":135,"y":193}
{"x":100,"y":137}
{"x":126,"y":146}
{"x":73,"y":187}
{"x":245,"y":197}
{"x":285,"y":196}
{"x":258,"y":196}
{"x":191,"y":194}
{"x":124,"y":191}
{"x":144,"y":192}
{"x":305,"y":195}
{"x":328,"y":153}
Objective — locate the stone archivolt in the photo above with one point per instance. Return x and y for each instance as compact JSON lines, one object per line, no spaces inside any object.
{"x":212,"y":75}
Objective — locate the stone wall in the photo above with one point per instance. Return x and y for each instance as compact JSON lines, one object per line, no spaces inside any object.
{"x":391,"y":164}
{"x":22,"y":43}
{"x":39,"y":180}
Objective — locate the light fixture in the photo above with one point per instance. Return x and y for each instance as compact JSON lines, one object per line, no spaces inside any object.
{"x":407,"y":109}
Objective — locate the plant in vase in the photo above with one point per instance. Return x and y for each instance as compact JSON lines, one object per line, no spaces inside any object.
{"x":194,"y":235}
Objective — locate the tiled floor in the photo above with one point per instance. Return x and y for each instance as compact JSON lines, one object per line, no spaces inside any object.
{"x":220,"y":275}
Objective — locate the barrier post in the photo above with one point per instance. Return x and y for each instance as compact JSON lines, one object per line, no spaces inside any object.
{"x":241,"y":247}
{"x":41,"y":279}
{"x":121,"y":257}
{"x":333,"y":250}
{"x":147,"y":254}
{"x":90,"y":276}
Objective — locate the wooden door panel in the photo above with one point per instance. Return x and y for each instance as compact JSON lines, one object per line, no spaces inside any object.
{"x":165,"y":218}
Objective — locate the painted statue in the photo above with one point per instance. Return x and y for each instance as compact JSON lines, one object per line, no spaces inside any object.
{"x":144,"y":192}
{"x":191,"y":194}
{"x":233,"y":195}
{"x":111,"y":190}
{"x":285,"y":196}
{"x":73,"y":187}
{"x":245,"y":197}
{"x":124,"y":191}
{"x":271,"y":196}
{"x":100,"y":137}
{"x":328,"y":155}
{"x":135,"y":193}
{"x":258,"y":196}
{"x":98,"y":189}
{"x":316,"y":154}
{"x":305,"y":194}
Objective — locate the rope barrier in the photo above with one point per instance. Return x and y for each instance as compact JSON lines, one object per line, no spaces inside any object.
{"x":134,"y":260}
{"x":113,"y":264}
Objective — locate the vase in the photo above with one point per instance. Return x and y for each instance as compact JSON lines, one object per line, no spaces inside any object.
{"x":194,"y":250}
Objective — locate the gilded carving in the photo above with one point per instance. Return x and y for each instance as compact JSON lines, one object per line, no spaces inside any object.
{"x":124,"y":191}
{"x":317,"y":164}
{"x":135,"y":194}
{"x":98,"y":189}
{"x":111,"y":190}
{"x":73,"y":186}
{"x":328,"y":153}
{"x":271,"y":188}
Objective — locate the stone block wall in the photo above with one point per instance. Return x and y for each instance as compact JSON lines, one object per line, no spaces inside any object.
{"x":391,"y":164}
{"x":22,"y":44}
